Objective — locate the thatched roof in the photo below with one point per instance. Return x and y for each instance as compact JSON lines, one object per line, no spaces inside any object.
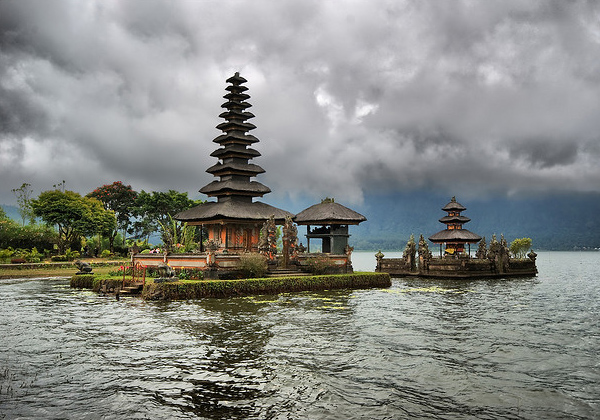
{"x":455,"y":219}
{"x":236,"y":79}
{"x":248,"y":169}
{"x":328,"y":213}
{"x":232,"y":209}
{"x":254,"y":188}
{"x":453,"y":205}
{"x":455,"y":235}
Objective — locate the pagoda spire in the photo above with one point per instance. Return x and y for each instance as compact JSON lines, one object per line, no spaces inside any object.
{"x":233,"y":169}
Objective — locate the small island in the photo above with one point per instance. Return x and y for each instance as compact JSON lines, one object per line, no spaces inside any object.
{"x":454,"y":260}
{"x":240,"y":254}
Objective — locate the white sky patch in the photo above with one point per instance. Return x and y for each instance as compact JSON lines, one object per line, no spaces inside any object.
{"x":362,"y":109}
{"x":333,"y":109}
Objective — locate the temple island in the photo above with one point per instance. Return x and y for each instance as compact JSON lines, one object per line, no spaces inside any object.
{"x":455,"y":260}
{"x":236,"y":224}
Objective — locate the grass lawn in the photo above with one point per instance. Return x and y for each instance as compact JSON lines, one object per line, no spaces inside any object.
{"x":53,"y":270}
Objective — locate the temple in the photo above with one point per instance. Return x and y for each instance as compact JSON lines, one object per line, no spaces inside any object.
{"x":454,"y":237}
{"x":455,"y":262}
{"x":234,"y":221}
{"x":330,"y":221}
{"x":237,"y":224}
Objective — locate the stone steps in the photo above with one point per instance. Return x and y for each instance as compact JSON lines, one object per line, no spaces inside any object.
{"x":134,"y":289}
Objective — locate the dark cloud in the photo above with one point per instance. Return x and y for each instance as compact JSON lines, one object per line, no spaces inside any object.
{"x":349,"y":96}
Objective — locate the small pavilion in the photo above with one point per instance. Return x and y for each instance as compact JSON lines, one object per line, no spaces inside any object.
{"x":454,"y":236}
{"x":331,"y":222}
{"x":235,"y":219}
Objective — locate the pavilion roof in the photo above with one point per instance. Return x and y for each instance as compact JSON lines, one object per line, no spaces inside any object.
{"x":329,"y":213}
{"x":249,"y":169}
{"x":455,"y":235}
{"x":453,"y":205}
{"x":232,"y":209}
{"x":253,"y":188}
{"x":455,"y":219}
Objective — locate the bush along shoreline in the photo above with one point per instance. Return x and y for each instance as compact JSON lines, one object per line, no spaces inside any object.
{"x":197,"y":289}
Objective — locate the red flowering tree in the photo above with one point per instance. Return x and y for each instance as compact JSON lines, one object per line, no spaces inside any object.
{"x":119,"y":198}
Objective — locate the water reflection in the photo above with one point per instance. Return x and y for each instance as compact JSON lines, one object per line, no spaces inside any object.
{"x":518,"y":349}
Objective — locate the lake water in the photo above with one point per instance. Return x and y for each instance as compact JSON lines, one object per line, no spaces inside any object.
{"x":425,"y":349}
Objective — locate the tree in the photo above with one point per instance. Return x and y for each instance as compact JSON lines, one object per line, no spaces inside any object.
{"x":519,"y":247}
{"x":119,"y":198}
{"x":23,"y":194}
{"x":73,"y":215}
{"x":157,"y":209}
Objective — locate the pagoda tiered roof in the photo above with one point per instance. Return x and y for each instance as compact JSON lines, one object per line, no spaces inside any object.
{"x":234,"y":189}
{"x":234,"y":170}
{"x":454,"y":232}
{"x":454,"y":205}
{"x":455,"y":219}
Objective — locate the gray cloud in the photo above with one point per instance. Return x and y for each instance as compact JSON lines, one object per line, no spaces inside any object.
{"x":349,"y":96}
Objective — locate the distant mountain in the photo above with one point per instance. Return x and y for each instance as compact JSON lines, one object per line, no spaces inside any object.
{"x":564,"y":221}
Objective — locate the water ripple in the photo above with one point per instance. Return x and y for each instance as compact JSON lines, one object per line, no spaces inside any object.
{"x":510,"y":349}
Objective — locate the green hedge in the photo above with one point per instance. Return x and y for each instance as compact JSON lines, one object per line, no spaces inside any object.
{"x":182,"y":290}
{"x":90,"y":281}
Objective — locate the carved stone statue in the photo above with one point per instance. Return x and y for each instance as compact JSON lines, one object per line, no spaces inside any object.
{"x":268,"y":239}
{"x":165,"y":271}
{"x":263,"y":242}
{"x":379,"y":257}
{"x":290,"y":241}
{"x":409,"y":254}
{"x":482,"y":249}
{"x":424,"y":254}
{"x":211,"y":249}
{"x":84,"y":268}
{"x":532,"y":255}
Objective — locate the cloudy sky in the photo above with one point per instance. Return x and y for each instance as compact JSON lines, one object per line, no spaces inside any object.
{"x":464,"y":97}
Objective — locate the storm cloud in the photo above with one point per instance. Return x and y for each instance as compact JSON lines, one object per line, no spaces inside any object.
{"x":470,"y":97}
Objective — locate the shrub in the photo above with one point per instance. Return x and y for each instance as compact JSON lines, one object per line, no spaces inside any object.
{"x":189,"y":274}
{"x":59,"y":258}
{"x":26,"y":237}
{"x":6,"y":254}
{"x":33,"y":256}
{"x":71,"y":255}
{"x":253,"y":265}
{"x":128,"y":271}
{"x":520,"y":246}
{"x":319,"y":265}
{"x":106,"y":254}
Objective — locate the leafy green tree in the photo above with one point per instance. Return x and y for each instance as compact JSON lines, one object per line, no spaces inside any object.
{"x":519,"y":247}
{"x":23,"y":194}
{"x":73,"y":215}
{"x":157,"y":209}
{"x":119,"y":198}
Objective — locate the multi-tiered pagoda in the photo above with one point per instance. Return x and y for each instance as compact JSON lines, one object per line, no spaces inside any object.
{"x":454,"y":236}
{"x":235,"y":219}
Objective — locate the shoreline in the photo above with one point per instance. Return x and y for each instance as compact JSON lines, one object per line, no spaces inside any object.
{"x":56,"y":269}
